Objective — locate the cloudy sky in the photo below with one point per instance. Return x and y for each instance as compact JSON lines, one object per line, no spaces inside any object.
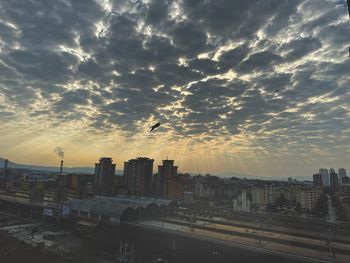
{"x":93,"y":76}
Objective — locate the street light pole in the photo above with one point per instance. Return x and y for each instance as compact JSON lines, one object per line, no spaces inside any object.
{"x":329,"y":242}
{"x":262,"y":234}
{"x":214,"y":254}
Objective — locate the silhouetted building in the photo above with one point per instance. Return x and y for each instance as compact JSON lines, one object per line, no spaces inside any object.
{"x":61,"y":192}
{"x":334,"y":181}
{"x":317,"y":180}
{"x":80,"y":182}
{"x":342,"y":174}
{"x":325,"y":176}
{"x":169,"y":184}
{"x":104,"y":177}
{"x":138,"y":176}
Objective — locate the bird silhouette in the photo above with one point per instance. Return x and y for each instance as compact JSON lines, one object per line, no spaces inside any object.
{"x":277,"y":90}
{"x":155,"y":126}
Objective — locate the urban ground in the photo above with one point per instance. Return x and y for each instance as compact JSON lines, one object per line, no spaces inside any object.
{"x":23,"y":240}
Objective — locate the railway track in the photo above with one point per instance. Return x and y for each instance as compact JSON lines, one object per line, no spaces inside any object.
{"x":265,"y":236}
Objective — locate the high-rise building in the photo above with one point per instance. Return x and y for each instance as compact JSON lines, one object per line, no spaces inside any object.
{"x":325,"y":176}
{"x":138,"y":176}
{"x":169,"y":184}
{"x":334,"y":181}
{"x":80,"y":183}
{"x":317,"y":180}
{"x":104,"y":177}
{"x":61,"y":192}
{"x":342,"y":174}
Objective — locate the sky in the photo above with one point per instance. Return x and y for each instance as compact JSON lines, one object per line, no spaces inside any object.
{"x":93,"y":76}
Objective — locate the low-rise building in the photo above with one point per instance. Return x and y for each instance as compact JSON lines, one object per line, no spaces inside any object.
{"x":241,"y":203}
{"x":307,"y":198}
{"x":345,"y":185}
{"x":283,"y":192}
{"x":263,"y":195}
{"x":188,"y":198}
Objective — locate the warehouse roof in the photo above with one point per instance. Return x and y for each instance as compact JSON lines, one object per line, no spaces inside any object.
{"x":117,"y":206}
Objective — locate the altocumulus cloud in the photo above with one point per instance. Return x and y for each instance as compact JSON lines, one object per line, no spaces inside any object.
{"x":206,"y":69}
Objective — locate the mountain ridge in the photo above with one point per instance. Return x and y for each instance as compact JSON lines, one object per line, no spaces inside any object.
{"x":80,"y":170}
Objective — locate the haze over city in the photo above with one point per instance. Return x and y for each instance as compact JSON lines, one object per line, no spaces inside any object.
{"x":94,"y":76}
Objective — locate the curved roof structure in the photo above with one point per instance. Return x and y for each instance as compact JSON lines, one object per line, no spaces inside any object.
{"x":100,"y":206}
{"x":116,"y":206}
{"x":146,"y":200}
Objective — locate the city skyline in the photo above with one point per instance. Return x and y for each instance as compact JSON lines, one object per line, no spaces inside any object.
{"x":120,"y":169}
{"x":265,"y":96}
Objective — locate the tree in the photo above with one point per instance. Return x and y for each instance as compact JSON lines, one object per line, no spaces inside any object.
{"x":281,"y":200}
{"x":321,"y":208}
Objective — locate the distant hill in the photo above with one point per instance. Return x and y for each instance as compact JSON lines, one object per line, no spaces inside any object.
{"x":79,"y":170}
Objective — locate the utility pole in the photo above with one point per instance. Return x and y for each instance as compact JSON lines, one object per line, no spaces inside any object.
{"x":132,"y":253}
{"x":126,"y":251}
{"x":331,"y":251}
{"x":119,"y":257}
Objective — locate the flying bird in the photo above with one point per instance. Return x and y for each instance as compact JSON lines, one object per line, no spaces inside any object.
{"x":155,"y":126}
{"x":277,"y":90}
{"x":114,"y":13}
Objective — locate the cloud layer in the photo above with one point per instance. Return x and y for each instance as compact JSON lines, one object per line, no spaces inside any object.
{"x":207,"y":70}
